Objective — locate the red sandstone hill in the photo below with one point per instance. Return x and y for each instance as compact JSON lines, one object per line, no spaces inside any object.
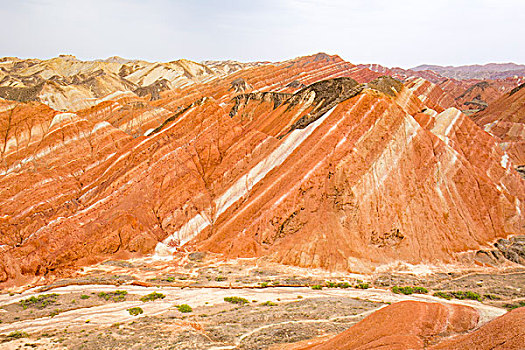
{"x":467,"y":93}
{"x":418,"y":325}
{"x":312,"y":162}
{"x":505,"y":119}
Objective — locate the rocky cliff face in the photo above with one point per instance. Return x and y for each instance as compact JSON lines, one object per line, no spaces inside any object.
{"x":315,"y":162}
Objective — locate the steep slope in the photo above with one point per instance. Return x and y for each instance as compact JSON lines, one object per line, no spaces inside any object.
{"x":505,"y":119}
{"x":347,"y":173}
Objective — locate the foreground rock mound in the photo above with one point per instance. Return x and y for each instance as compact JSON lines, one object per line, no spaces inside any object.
{"x":506,"y":332}
{"x":404,"y":325}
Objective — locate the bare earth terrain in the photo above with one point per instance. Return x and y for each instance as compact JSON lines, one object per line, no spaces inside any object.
{"x":281,"y":304}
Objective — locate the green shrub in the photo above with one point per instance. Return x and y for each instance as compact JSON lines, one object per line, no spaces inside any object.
{"x":264,"y":284}
{"x":330,"y":284}
{"x":17,"y":335}
{"x":116,"y":296}
{"x":135,"y":311}
{"x":491,"y":297}
{"x":443,"y":295}
{"x":220,"y":278}
{"x":362,"y":286}
{"x":152,"y":297}
{"x":84,"y":296}
{"x":54,"y":313}
{"x":409,"y":290}
{"x":466,"y":295}
{"x":236,"y":300}
{"x":343,"y":285}
{"x":40,"y":301}
{"x":317,"y":287}
{"x":269,"y":303}
{"x":420,"y":290}
{"x":514,"y":306}
{"x":184,"y":308}
{"x":402,"y":290}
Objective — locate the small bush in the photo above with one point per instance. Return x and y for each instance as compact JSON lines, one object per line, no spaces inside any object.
{"x":420,"y":290}
{"x":184,"y":308}
{"x":269,"y":303}
{"x":236,"y":300}
{"x":443,"y":295}
{"x":54,"y":313}
{"x":17,"y":335}
{"x":466,"y":295}
{"x":409,"y":290}
{"x":264,"y":284}
{"x":116,"y":296}
{"x":330,"y":284}
{"x":491,"y":297}
{"x":402,"y":290}
{"x":514,"y":306}
{"x":220,"y":278}
{"x":317,"y":287}
{"x":135,"y":311}
{"x":84,"y":296}
{"x":362,"y":286}
{"x":152,"y":297}
{"x":343,"y":285}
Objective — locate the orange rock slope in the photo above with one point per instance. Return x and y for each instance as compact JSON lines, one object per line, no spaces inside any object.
{"x":293,"y":161}
{"x":505,"y":119}
{"x":419,"y":325}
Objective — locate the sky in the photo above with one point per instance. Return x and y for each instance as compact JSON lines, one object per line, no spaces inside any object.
{"x":403,"y":33}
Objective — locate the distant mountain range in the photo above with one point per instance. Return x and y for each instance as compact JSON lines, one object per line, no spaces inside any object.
{"x":476,"y":71}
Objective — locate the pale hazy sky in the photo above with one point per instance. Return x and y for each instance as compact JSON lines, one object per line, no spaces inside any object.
{"x":401,"y":33}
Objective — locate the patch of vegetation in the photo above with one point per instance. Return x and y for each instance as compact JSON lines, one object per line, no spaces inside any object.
{"x":40,"y":301}
{"x":84,"y":296}
{"x":184,"y":308}
{"x":330,"y":284}
{"x":317,"y":287}
{"x":362,"y":286}
{"x":343,"y":285}
{"x":269,"y":303}
{"x":116,"y":296}
{"x":264,"y":284}
{"x":236,"y":300}
{"x":220,"y":278}
{"x":459,"y":295}
{"x":135,"y":311}
{"x":443,"y":295}
{"x":17,"y":335}
{"x":152,"y":297}
{"x":54,"y":312}
{"x":466,"y":295}
{"x":409,"y":290}
{"x":515,"y":305}
{"x":491,"y":297}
